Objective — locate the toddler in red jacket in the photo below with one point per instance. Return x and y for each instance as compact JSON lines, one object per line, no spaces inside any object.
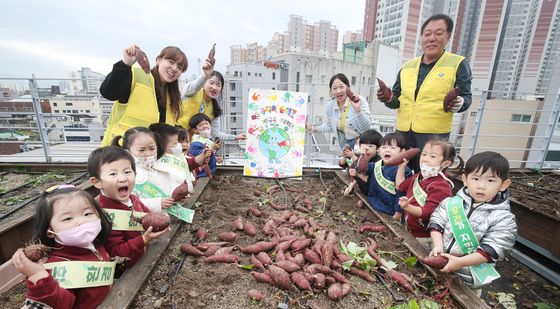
{"x":74,"y":227}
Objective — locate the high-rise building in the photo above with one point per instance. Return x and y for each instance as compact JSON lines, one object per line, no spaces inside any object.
{"x":252,"y":53}
{"x":350,"y":37}
{"x":85,"y":81}
{"x":512,"y":44}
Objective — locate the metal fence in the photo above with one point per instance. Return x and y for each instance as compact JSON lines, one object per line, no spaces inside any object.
{"x":522,"y":129}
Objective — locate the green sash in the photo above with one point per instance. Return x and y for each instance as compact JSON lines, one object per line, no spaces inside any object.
{"x":419,"y":194}
{"x":175,"y":162}
{"x":383,"y":182}
{"x":121,"y":219}
{"x":150,"y":190}
{"x":82,"y":274}
{"x":467,"y":242}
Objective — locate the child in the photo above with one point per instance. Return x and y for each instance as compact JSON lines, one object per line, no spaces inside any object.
{"x":201,"y":140}
{"x":382,"y":193}
{"x":367,"y":143}
{"x":112,"y":170}
{"x":425,"y":190}
{"x":73,"y":225}
{"x":193,"y":162}
{"x":163,"y":173}
{"x":489,"y":220}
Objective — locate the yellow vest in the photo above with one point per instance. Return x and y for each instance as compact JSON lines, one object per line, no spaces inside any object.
{"x":191,"y":106}
{"x":141,"y":109}
{"x":426,"y":114}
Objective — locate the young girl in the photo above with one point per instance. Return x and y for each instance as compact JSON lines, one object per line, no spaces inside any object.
{"x":72,"y":224}
{"x":202,"y":141}
{"x":425,"y":190}
{"x":205,"y":101}
{"x":156,"y":167}
{"x":193,"y":162}
{"x":143,"y":98}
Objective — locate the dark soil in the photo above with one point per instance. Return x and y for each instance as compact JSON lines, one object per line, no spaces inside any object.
{"x":539,"y":192}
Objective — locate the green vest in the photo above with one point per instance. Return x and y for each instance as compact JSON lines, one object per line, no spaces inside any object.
{"x":426,"y":114}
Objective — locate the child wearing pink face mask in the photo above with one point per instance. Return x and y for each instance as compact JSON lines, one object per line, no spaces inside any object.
{"x":71,"y":223}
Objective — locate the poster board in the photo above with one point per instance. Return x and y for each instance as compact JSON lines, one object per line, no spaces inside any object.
{"x":275,"y":133}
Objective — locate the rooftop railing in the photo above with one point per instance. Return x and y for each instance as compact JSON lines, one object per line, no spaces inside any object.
{"x":522,"y":129}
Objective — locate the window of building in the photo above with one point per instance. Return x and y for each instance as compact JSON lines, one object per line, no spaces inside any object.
{"x":353,"y":81}
{"x":69,"y":104}
{"x":273,"y":75}
{"x":232,"y":99}
{"x":87,"y":111}
{"x":473,"y":114}
{"x":56,"y":111}
{"x":55,"y":104}
{"x":233,"y":104}
{"x":232,"y":86}
{"x":248,"y":73}
{"x":520,"y":118}
{"x":308,"y":78}
{"x":235,"y":74}
{"x":75,"y":111}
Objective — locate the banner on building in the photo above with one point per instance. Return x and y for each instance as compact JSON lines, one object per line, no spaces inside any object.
{"x":275,"y":133}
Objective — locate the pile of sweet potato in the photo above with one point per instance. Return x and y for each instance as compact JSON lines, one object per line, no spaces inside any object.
{"x":291,"y":251}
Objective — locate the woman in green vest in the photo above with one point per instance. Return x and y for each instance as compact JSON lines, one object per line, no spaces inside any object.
{"x":205,"y":101}
{"x":142,"y":98}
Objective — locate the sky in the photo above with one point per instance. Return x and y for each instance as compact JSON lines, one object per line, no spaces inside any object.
{"x":52,"y":38}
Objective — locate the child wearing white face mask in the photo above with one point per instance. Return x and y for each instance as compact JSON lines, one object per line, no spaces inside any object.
{"x":425,"y":190}
{"x":202,"y":141}
{"x":72,"y":224}
{"x":158,"y":171}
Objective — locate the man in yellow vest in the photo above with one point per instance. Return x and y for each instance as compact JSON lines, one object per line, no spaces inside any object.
{"x":422,"y":84}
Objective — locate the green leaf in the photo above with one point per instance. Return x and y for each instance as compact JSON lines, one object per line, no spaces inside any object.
{"x":343,"y":247}
{"x":390,"y":264}
{"x":354,"y":249}
{"x":542,"y":306}
{"x":346,"y":265}
{"x":197,"y":204}
{"x":428,"y":304}
{"x":249,"y":267}
{"x":410,"y":261}
{"x":323,"y":200}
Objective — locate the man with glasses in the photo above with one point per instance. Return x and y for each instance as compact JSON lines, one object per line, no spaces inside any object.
{"x":422,"y":84}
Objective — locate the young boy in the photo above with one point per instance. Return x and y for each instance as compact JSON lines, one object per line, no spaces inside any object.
{"x":476,"y":223}
{"x":194,"y":162}
{"x":382,"y":193}
{"x":202,"y":140}
{"x":113,"y":172}
{"x":367,"y":143}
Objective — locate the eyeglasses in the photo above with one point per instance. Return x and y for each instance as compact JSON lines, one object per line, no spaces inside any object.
{"x":54,"y":188}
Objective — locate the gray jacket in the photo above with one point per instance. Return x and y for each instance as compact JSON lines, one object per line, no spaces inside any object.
{"x":492,"y":222}
{"x":359,"y":122}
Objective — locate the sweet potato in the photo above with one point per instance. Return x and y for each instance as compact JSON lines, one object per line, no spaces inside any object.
{"x":300,"y":280}
{"x":401,"y":280}
{"x":159,"y":221}
{"x":327,"y":254}
{"x":273,"y":188}
{"x":262,"y":277}
{"x":280,"y":277}
{"x":437,"y":262}
{"x":346,"y":288}
{"x":408,"y":154}
{"x":142,"y":60}
{"x":238,"y":224}
{"x":318,"y":268}
{"x":255,"y":211}
{"x":343,"y":257}
{"x":224,"y":258}
{"x":332,"y":238}
{"x":212,"y":249}
{"x":283,"y":246}
{"x":201,"y":234}
{"x":255,"y":295}
{"x":224,"y":250}
{"x":257,"y":264}
{"x":36,"y":252}
{"x":339,"y":277}
{"x":361,"y":273}
{"x":449,"y":98}
{"x":299,"y":259}
{"x":362,"y":164}
{"x":212,"y":54}
{"x":288,"y":266}
{"x":360,"y":204}
{"x":372,"y":228}
{"x":269,"y":227}
{"x":335,"y":291}
{"x":189,"y":249}
{"x":249,"y":229}
{"x":301,"y":208}
{"x":264,"y":258}
{"x":330,"y":280}
{"x":319,"y":280}
{"x":299,"y":222}
{"x":180,"y":192}
{"x":280,"y":256}
{"x":258,"y":247}
{"x":387,"y":93}
{"x":227,"y":236}
{"x":299,"y":245}
{"x":277,"y":206}
{"x":257,"y":192}
{"x":353,"y":97}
